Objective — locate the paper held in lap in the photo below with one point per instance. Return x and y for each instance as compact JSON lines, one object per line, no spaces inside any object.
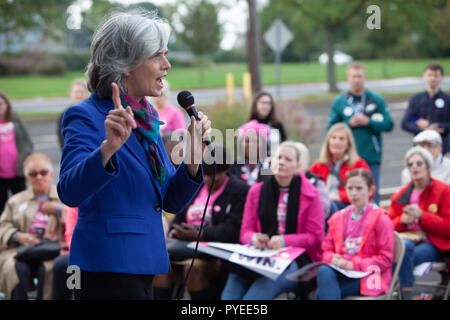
{"x":269,"y":263}
{"x":310,"y":271}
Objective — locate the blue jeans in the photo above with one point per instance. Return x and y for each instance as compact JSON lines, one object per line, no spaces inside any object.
{"x":263,"y":288}
{"x":332,"y":285}
{"x":375,"y":168}
{"x":415,"y":255}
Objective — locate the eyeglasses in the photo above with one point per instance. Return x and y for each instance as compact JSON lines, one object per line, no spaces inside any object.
{"x":417,"y":163}
{"x":34,"y":174}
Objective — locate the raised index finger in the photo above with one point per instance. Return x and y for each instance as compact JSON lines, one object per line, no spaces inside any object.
{"x":116,"y":96}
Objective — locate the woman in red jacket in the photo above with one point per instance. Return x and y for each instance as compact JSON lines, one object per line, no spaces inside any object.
{"x":337,"y":157}
{"x":420,"y":211}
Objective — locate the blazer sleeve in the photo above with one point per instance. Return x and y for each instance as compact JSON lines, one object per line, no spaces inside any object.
{"x":384,"y":257}
{"x":182,"y":189}
{"x":82,"y":173}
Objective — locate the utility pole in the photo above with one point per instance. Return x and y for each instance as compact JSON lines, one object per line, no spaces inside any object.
{"x":254,"y":47}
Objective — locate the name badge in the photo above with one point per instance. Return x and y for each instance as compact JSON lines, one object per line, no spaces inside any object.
{"x":348,"y":111}
{"x":439,"y":103}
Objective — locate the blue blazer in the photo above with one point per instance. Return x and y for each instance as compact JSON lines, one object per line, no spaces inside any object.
{"x":119,"y":226}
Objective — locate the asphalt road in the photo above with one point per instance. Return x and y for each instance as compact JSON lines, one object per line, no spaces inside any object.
{"x":207,"y":96}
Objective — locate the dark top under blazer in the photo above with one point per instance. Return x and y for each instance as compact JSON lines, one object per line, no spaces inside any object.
{"x":119,"y":226}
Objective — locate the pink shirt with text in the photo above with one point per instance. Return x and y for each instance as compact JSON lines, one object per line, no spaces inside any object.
{"x":195,"y":211}
{"x":8,"y":151}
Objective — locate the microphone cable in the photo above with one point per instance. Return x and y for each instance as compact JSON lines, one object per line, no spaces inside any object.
{"x":201,"y":224}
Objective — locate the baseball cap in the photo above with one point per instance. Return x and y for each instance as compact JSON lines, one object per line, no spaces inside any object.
{"x":428,"y":136}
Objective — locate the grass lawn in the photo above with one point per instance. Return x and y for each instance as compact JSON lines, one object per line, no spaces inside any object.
{"x":214,"y":76}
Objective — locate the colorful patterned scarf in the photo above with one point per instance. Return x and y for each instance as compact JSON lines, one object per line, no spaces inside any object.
{"x":147,"y":131}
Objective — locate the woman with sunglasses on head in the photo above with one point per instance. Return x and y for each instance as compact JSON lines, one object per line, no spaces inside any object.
{"x":15,"y":146}
{"x":420,"y":211}
{"x":30,"y":216}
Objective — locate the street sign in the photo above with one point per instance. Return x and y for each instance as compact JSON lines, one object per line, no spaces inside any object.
{"x":278,"y":36}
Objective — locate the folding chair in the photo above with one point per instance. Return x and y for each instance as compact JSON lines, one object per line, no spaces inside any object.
{"x":394,"y":289}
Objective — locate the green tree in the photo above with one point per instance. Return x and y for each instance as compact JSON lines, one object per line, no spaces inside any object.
{"x":202,"y":32}
{"x":18,"y":16}
{"x":331,"y":16}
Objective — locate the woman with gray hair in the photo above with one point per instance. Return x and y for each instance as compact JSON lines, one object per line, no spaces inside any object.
{"x":114,"y":167}
{"x":420,"y":212}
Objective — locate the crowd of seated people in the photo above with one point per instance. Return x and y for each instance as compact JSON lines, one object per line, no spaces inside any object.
{"x":265,"y":198}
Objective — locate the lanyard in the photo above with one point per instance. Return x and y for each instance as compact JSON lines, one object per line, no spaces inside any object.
{"x":358,"y":108}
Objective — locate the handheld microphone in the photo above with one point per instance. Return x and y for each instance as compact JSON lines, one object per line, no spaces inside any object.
{"x":186,"y":101}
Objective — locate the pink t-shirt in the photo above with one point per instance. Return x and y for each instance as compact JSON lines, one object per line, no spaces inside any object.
{"x":353,"y":233}
{"x":8,"y":151}
{"x":174,"y":119}
{"x":71,"y":221}
{"x":40,"y":219}
{"x":195,"y":211}
{"x":282,"y":210}
{"x":414,"y":199}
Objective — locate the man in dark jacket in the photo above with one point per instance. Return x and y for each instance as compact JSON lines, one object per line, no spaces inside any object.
{"x":430,"y":109}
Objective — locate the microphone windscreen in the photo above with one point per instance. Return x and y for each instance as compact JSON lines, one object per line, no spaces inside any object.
{"x":185,"y":99}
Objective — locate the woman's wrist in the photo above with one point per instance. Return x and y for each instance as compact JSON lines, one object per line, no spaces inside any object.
{"x":192,"y":169}
{"x":106,"y":152}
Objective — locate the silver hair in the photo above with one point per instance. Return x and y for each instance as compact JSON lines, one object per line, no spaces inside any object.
{"x":424,"y":153}
{"x":120,"y":44}
{"x":292,"y":145}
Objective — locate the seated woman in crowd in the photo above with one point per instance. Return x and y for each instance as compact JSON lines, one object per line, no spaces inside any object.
{"x":361,"y":238}
{"x":252,"y":152}
{"x":440,"y":167}
{"x":222,"y":224}
{"x":30,"y":216}
{"x":314,"y":179}
{"x":282,"y":211}
{"x":337,"y":157}
{"x":420,"y":211}
{"x":263,"y":110}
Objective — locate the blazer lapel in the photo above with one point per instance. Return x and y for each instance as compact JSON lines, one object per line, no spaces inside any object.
{"x":137,"y":151}
{"x":132,"y":144}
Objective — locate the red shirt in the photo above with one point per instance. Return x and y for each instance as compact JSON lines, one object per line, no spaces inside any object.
{"x":323,"y":170}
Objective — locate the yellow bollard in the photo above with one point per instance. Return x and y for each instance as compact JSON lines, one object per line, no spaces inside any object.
{"x":230,"y":88}
{"x":247,"y":86}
